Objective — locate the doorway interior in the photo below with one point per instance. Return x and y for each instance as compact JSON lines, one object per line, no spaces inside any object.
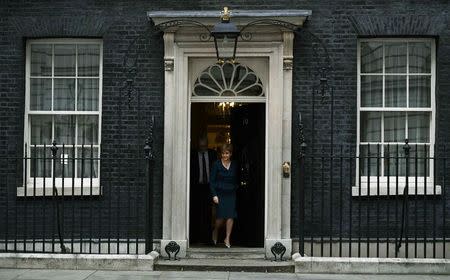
{"x":243,"y":125}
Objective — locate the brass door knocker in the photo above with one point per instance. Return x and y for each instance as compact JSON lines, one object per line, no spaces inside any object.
{"x":286,"y":169}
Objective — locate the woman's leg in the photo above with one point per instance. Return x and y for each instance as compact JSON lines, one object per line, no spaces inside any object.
{"x":215,"y":232}
{"x":229,"y":228}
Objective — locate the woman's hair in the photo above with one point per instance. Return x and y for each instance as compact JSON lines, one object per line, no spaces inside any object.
{"x":226,"y":147}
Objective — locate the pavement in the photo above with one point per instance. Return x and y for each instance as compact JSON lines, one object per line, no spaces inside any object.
{"x":50,"y":274}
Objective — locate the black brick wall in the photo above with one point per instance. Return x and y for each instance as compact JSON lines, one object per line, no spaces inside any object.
{"x":337,"y":24}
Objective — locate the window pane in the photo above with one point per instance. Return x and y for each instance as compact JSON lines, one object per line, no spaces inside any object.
{"x":370,"y":126}
{"x":368,"y":158}
{"x":422,"y":152}
{"x":420,"y":57}
{"x":41,"y":130}
{"x":64,"y":162}
{"x":420,"y":91}
{"x":87,"y":130}
{"x":371,"y":57}
{"x":394,"y":126}
{"x":205,"y":86}
{"x":65,"y":130}
{"x":419,"y":127}
{"x":215,"y":78}
{"x":88,"y":60}
{"x":41,"y":94}
{"x":87,"y":163}
{"x":87,"y":95}
{"x":371,"y":91}
{"x":64,"y":94}
{"x":41,"y":60}
{"x":64,"y":60}
{"x":395,"y":57}
{"x":394,"y":162}
{"x":39,"y":166}
{"x":395,"y":91}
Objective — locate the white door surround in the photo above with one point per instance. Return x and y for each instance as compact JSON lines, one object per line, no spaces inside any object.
{"x":182,"y":44}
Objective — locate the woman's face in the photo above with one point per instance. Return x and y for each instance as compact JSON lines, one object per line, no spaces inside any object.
{"x":226,"y":155}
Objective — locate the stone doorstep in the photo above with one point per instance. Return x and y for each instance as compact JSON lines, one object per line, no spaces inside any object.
{"x":234,"y":265}
{"x":78,"y":261}
{"x":370,"y":265}
{"x":217,"y":253}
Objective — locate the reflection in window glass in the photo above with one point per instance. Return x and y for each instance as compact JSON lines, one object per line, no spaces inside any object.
{"x":395,"y":60}
{"x":88,"y":94}
{"x":395,"y":91}
{"x":40,"y":94}
{"x":41,"y":130}
{"x":41,"y":60}
{"x":64,"y":94}
{"x":64,"y":60}
{"x":394,"y":126}
{"x":87,"y":130}
{"x":419,"y":127}
{"x":419,"y":57}
{"x":371,"y":91}
{"x":371,"y":57}
{"x":420,"y":91}
{"x":370,"y":126}
{"x":88,"y":60}
{"x":65,"y":129}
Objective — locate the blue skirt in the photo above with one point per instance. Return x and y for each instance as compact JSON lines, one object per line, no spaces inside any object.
{"x":226,"y":208}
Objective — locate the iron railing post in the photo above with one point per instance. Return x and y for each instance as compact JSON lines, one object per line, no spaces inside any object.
{"x":54,"y":150}
{"x":301,"y":190}
{"x":148,"y":150}
{"x":404,"y":221}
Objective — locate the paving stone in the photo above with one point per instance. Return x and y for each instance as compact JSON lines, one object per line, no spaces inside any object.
{"x":7,"y":274}
{"x":195,"y":274}
{"x":47,"y":274}
{"x":254,"y":276}
{"x":124,"y":275}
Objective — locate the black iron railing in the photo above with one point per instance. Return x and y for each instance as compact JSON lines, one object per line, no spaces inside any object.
{"x":391,"y":204}
{"x":54,"y":201}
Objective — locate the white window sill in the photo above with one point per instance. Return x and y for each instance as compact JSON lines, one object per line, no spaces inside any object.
{"x":77,"y":188}
{"x":379,"y":187}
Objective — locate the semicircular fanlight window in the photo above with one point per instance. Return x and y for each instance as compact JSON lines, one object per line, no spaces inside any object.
{"x":228,"y":79}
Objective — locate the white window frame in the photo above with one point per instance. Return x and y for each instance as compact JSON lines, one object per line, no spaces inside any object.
{"x":79,"y":186}
{"x":379,"y":185}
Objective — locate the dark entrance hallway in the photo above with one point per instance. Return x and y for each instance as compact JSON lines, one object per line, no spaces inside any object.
{"x":243,"y":125}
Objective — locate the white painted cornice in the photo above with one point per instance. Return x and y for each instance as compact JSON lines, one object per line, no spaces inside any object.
{"x":238,"y":17}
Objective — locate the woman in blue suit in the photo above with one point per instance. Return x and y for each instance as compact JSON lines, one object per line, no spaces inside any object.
{"x":223,"y":184}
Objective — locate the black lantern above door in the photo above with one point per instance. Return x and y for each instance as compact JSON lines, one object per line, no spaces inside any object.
{"x":225,"y":35}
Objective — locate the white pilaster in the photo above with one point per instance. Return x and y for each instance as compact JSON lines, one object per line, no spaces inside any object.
{"x":288,"y":42}
{"x":169,"y":104}
{"x":274,"y":147}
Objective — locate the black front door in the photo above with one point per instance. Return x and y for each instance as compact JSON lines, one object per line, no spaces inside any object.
{"x":248,"y":139}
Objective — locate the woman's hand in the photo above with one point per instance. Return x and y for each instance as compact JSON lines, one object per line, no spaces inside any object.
{"x":216,"y":199}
